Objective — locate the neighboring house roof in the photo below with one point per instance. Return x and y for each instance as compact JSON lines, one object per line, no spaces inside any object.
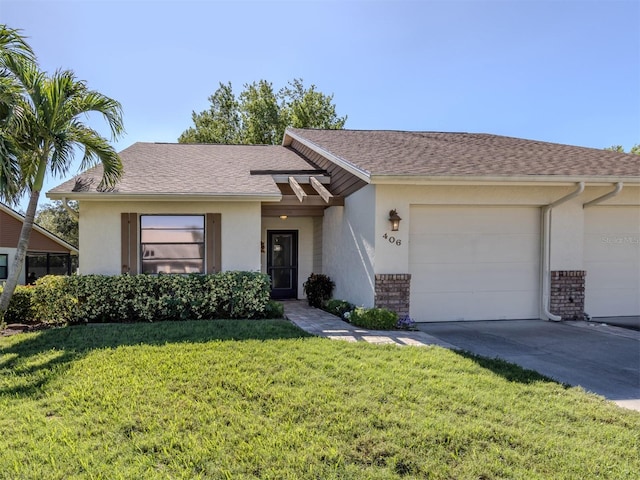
{"x":434,"y":154}
{"x":193,"y":169}
{"x":42,"y":240}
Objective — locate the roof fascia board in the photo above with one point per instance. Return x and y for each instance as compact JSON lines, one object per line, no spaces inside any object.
{"x":498,"y":180}
{"x":186,"y":197}
{"x":39,"y":229}
{"x":349,"y":167}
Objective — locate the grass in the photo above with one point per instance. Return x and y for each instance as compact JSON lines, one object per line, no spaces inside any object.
{"x":261,"y":399}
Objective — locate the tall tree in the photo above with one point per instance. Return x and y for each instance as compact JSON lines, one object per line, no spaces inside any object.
{"x":46,"y":134}
{"x":635,"y":150}
{"x":219,"y":124}
{"x":260,"y":115}
{"x":57,"y":219}
{"x":308,"y":108}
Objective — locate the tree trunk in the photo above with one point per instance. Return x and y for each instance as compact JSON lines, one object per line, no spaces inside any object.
{"x":21,"y":252}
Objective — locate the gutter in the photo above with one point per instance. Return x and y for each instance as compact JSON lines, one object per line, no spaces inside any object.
{"x":604,"y":197}
{"x":546,"y":251}
{"x":169,"y":197}
{"x":518,"y":180}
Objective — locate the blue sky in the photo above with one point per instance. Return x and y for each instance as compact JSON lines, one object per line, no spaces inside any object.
{"x":554,"y":70}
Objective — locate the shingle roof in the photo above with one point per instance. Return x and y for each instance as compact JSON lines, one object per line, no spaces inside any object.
{"x":381,"y":152}
{"x":172,"y":168}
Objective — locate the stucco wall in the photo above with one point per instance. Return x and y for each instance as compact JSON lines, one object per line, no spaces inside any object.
{"x":304,"y":226}
{"x":348,"y":247}
{"x":100,"y":232}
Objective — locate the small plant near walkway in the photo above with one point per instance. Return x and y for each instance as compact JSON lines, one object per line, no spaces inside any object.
{"x":371,"y":318}
{"x":339,"y":308}
{"x":246,"y":399}
{"x":318,"y":289}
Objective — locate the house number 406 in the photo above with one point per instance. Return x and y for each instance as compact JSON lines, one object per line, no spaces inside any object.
{"x":392,"y":239}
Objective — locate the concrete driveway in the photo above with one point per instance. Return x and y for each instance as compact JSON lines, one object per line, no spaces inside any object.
{"x":602,"y":359}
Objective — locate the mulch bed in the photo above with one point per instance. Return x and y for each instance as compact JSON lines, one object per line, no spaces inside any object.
{"x":15,"y":328}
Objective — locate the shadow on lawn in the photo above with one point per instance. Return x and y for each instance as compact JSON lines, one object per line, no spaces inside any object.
{"x":509,"y":371}
{"x":33,"y":360}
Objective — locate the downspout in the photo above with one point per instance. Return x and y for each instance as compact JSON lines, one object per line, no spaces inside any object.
{"x":604,"y":197}
{"x":546,"y":251}
{"x":71,"y":211}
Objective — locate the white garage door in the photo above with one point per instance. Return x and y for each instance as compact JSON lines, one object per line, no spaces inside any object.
{"x":474,"y":263}
{"x":612,"y":261}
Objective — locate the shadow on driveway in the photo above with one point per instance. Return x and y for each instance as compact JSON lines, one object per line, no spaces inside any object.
{"x":600,"y":358}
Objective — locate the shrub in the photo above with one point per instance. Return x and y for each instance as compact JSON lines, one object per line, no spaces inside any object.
{"x":374,"y":318}
{"x":20,"y":308}
{"x":318,"y":289}
{"x":241,"y":294}
{"x":338,"y":307}
{"x":51,"y":300}
{"x":274,"y":310}
{"x":134,"y":298}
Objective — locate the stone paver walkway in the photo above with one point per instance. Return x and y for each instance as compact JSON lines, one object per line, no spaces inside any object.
{"x":318,"y":322}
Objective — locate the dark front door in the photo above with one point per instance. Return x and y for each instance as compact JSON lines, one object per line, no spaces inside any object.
{"x":282,"y":263}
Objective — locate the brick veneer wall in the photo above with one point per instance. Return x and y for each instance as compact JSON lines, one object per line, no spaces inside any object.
{"x":393,"y":292}
{"x":567,"y":294}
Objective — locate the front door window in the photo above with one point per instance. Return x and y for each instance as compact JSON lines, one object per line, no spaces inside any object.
{"x":282,"y":263}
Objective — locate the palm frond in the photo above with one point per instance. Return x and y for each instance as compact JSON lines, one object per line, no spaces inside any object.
{"x":11,"y":184}
{"x":97,"y":149}
{"x":12,"y":43}
{"x":94,"y":102}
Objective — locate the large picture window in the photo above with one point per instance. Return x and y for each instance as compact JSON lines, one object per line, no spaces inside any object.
{"x":172,"y":243}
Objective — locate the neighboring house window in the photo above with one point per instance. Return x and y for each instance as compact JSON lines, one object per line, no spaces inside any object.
{"x":4,"y":269}
{"x":172,"y":243}
{"x":40,"y":264}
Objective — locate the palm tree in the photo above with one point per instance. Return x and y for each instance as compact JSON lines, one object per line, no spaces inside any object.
{"x":46,"y":131}
{"x":12,"y":45}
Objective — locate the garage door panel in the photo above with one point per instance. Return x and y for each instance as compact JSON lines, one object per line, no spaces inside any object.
{"x":603,"y":220}
{"x":612,"y":261}
{"x":452,"y":248}
{"x":466,"y":248}
{"x":613,"y":248}
{"x":458,"y":277}
{"x":426,"y":220}
{"x":476,"y":306}
{"x":509,"y":248}
{"x":609,"y":301}
{"x":606,"y":276}
{"x":474,"y":263}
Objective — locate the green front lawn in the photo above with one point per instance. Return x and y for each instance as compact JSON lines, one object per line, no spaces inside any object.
{"x":261,"y":399}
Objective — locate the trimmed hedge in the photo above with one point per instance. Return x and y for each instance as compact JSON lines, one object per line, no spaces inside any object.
{"x":133,"y":298}
{"x":374,"y":318}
